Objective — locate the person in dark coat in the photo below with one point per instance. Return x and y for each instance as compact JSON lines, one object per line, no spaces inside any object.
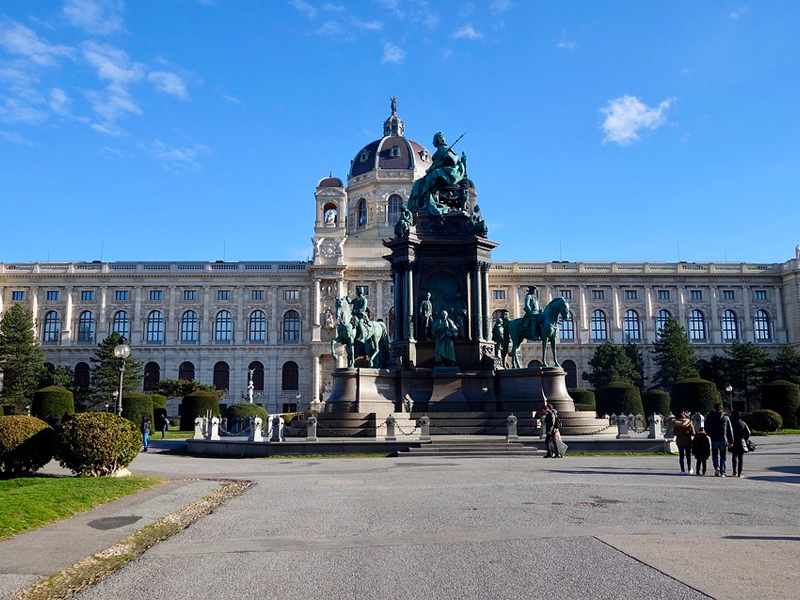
{"x":684,"y":432}
{"x":741,"y":433}
{"x":718,"y":427}
{"x":164,"y":426}
{"x":701,"y":448}
{"x":550,"y":421}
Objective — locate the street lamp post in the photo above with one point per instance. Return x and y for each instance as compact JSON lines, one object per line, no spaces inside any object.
{"x":122,"y":352}
{"x":729,"y":391}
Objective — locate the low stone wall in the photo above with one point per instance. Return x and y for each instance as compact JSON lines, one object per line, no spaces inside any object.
{"x":243,"y":449}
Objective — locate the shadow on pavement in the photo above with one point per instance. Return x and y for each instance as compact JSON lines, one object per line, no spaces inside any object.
{"x":768,"y":538}
{"x":792,"y":475}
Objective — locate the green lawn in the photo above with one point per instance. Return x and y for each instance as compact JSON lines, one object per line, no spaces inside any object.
{"x":30,"y":502}
{"x":172,"y":434}
{"x":779,"y":432}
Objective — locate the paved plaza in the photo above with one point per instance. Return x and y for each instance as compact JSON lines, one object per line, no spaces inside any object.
{"x":581,"y":527}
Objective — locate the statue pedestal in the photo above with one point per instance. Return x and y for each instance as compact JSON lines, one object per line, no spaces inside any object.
{"x":526,"y":390}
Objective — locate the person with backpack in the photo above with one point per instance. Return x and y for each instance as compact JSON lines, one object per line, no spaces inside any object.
{"x":741,"y":434}
{"x":684,"y":432}
{"x":718,"y":427}
{"x":701,"y":448}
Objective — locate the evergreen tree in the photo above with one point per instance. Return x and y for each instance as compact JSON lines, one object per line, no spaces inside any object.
{"x":105,"y":372}
{"x":747,"y":367}
{"x":60,"y":376}
{"x":785,"y":365}
{"x":716,"y":369}
{"x":611,"y":363}
{"x":21,"y":358}
{"x":674,"y":355}
{"x":173,"y":388}
{"x":635,"y":355}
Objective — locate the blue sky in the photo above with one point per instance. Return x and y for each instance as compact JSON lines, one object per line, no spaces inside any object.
{"x":197,"y":129}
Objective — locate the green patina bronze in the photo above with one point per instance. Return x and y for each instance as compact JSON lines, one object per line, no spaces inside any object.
{"x":535,"y":326}
{"x":361,"y":336}
{"x":447,"y":170}
{"x":444,"y":332}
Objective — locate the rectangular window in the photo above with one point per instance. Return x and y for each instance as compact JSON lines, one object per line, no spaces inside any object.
{"x":291,"y":295}
{"x":566,"y":294}
{"x":156,"y":295}
{"x":364,"y":289}
{"x":121,"y":295}
{"x":631,"y":294}
{"x":256,"y":294}
{"x":499,"y":294}
{"x":190,"y":295}
{"x":17,"y":295}
{"x":598,"y":294}
{"x":760,"y":294}
{"x":696,"y":295}
{"x":223,"y":294}
{"x":728,"y":295}
{"x":663,"y":295}
{"x":52,"y":295}
{"x":87,"y":295}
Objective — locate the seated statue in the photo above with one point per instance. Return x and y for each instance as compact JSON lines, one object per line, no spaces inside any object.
{"x":446,"y":171}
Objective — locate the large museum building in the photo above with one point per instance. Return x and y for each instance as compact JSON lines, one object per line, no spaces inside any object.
{"x":216,"y":321}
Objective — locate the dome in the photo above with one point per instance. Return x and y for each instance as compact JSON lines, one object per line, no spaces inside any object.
{"x":329,"y":182}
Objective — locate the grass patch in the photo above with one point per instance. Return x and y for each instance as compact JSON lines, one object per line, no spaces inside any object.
{"x":172,"y":434}
{"x":330,"y":455}
{"x":779,"y":432}
{"x":30,"y":502}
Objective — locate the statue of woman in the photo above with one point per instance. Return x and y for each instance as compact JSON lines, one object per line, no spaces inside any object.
{"x":444,"y":332}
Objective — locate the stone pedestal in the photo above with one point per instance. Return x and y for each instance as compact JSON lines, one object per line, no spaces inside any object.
{"x":527,"y":390}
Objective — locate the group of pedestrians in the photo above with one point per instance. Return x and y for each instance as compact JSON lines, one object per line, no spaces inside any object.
{"x":720,"y":435}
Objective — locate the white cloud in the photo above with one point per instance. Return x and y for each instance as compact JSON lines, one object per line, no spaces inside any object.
{"x":500,"y":6}
{"x":393,"y":54}
{"x":738,"y":13}
{"x":466,"y":32}
{"x":15,"y":138}
{"x":59,"y":101}
{"x":368,"y":25}
{"x":231,"y":99}
{"x":12,"y":110}
{"x":112,"y":64}
{"x":177,"y":158}
{"x":306,"y":9}
{"x":626,"y":116}
{"x":99,"y":17}
{"x":331,"y":7}
{"x":19,"y":40}
{"x":331,"y":29}
{"x":567,"y":45}
{"x":169,"y":83}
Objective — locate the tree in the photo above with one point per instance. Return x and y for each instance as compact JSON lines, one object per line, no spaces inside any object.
{"x":60,"y":376}
{"x":21,"y":358}
{"x":105,"y":372}
{"x":674,"y":355}
{"x":175,"y":388}
{"x":747,"y":367}
{"x":611,"y":363}
{"x":786,"y":365}
{"x":716,"y":369}
{"x":635,"y":355}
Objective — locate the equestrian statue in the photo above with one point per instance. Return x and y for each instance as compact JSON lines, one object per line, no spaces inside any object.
{"x":360,"y":335}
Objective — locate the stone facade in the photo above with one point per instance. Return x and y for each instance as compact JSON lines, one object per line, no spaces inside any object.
{"x":351,"y":221}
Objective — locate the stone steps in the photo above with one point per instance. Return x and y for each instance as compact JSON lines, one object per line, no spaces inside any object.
{"x":477,"y":449}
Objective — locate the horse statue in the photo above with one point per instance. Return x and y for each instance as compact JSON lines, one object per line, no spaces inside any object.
{"x":545,"y":329}
{"x":345,"y":332}
{"x":375,"y":344}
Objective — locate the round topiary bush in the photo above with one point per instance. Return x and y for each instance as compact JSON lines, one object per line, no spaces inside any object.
{"x":245,"y":411}
{"x":656,"y":402}
{"x":159,"y":409}
{"x":583,"y":397}
{"x":53,"y":402}
{"x":135,"y":406}
{"x":619,"y":398}
{"x":764,"y":420}
{"x":196,"y":405}
{"x":26,"y":444}
{"x":784,"y":398}
{"x":695,"y":395}
{"x":98,"y":443}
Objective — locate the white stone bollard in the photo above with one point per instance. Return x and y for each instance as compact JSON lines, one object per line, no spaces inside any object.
{"x":213,"y":430}
{"x":655,"y":427}
{"x":424,"y":423}
{"x":669,"y":431}
{"x":622,"y":427}
{"x":391,"y":422}
{"x":198,"y":429}
{"x":276,"y":432}
{"x":511,"y":428}
{"x":255,"y":430}
{"x":311,"y":429}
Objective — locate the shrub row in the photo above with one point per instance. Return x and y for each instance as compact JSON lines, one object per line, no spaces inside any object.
{"x":695,"y":395}
{"x":764,"y":420}
{"x":619,"y":398}
{"x":783,"y":397}
{"x":52,"y":403}
{"x":196,"y":405}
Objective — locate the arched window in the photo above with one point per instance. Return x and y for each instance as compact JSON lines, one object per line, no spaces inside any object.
{"x":662,"y":316}
{"x":534,"y":364}
{"x":258,"y":375}
{"x":152,"y":376}
{"x":566,"y":328}
{"x":222,"y":376}
{"x":361,"y":217}
{"x":393,"y":212}
{"x":599,"y":326}
{"x":291,"y":327}
{"x":257,"y":327}
{"x":697,"y":326}
{"x":223,"y":327}
{"x":761,"y":326}
{"x":572,"y":373}
{"x":630,"y":326}
{"x":121,"y":324}
{"x":186,"y":371}
{"x":51,"y":332}
{"x":154,"y":328}
{"x":729,"y":326}
{"x":82,"y":376}
{"x":290,"y":376}
{"x":86,"y":327}
{"x":190,"y":331}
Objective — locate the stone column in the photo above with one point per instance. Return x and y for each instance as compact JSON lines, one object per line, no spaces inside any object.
{"x":34,"y":291}
{"x":316,"y":334}
{"x":171,"y":327}
{"x":66,"y":331}
{"x":477,"y":324}
{"x":714,"y":333}
{"x":205,"y":322}
{"x":747,"y":326}
{"x":682,"y":305}
{"x":315,"y":378}
{"x":486,"y":327}
{"x":102,"y":322}
{"x":583,"y":322}
{"x":273,"y":333}
{"x":136,"y":322}
{"x":780,"y":328}
{"x":516,"y":302}
{"x":616,"y":325}
{"x":651,"y":323}
{"x":409,"y":297}
{"x":2,"y":291}
{"x":239,"y":325}
{"x":398,"y":305}
{"x":379,"y":300}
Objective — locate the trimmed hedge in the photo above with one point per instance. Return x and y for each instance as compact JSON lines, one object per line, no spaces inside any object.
{"x":195,"y":405}
{"x":656,"y":402}
{"x":135,"y":406}
{"x":620,"y":398}
{"x":583,"y":397}
{"x":695,"y":395}
{"x":53,"y":402}
{"x":245,"y":411}
{"x":98,"y":443}
{"x":784,"y":398}
{"x":26,"y":444}
{"x":764,"y":420}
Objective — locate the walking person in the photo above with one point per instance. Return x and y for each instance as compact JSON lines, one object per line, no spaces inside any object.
{"x":550,"y":416}
{"x":741,"y":433}
{"x":164,"y":426}
{"x":719,"y":429}
{"x":701,"y":448}
{"x":684,"y":432}
{"x":145,"y":428}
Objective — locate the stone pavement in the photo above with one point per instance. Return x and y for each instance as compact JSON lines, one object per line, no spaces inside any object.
{"x":582,"y":528}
